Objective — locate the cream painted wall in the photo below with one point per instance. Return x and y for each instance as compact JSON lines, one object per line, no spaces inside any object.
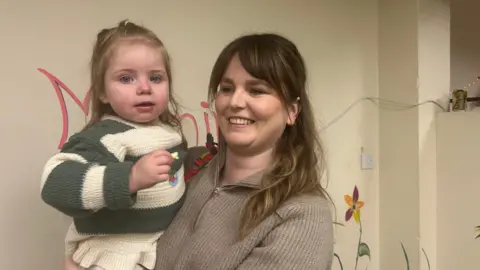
{"x":398,"y":144}
{"x":465,"y":44}
{"x":337,"y":38}
{"x":433,"y":84}
{"x":458,"y":185}
{"x":457,"y":149}
{"x":414,"y":67}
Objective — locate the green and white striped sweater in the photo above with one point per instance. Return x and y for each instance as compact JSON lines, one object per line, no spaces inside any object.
{"x":89,"y":181}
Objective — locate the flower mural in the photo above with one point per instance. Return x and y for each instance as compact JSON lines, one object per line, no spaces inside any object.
{"x":354,"y":205}
{"x":407,"y":260}
{"x":363,"y":250}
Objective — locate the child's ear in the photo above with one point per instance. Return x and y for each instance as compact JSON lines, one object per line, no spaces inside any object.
{"x":293,"y":113}
{"x":104,"y":99}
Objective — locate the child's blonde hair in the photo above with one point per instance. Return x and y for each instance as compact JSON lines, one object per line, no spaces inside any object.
{"x":107,"y":41}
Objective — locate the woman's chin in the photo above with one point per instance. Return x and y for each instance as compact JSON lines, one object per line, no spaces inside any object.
{"x":238,"y":141}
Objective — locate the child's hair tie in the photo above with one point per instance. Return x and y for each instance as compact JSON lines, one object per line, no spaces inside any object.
{"x":126,"y":22}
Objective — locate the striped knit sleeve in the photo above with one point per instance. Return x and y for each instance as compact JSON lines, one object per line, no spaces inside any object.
{"x":304,"y":240}
{"x":76,"y":183}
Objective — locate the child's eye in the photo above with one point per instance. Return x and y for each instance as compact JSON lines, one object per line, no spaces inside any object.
{"x":126,"y":79}
{"x":225,"y":89}
{"x":156,"y":78}
{"x":256,"y":92}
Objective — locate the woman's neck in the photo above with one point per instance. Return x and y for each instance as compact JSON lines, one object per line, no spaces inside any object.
{"x":238,"y":167}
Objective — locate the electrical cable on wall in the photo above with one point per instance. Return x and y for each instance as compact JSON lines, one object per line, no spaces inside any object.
{"x":383,"y":104}
{"x":471,"y":83}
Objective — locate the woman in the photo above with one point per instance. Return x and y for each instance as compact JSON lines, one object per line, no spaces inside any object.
{"x":259,"y":203}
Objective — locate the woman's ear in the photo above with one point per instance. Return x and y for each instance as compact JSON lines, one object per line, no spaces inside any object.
{"x":293,"y":111}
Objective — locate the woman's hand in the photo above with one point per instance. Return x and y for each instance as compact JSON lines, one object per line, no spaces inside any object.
{"x":150,"y":170}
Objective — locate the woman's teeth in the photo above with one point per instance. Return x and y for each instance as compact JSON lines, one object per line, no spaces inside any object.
{"x":240,"y":121}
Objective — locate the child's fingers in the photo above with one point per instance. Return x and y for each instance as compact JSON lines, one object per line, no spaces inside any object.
{"x":163,"y":170}
{"x":160,"y":152}
{"x":163,"y":177}
{"x":69,"y":264}
{"x":163,"y":157}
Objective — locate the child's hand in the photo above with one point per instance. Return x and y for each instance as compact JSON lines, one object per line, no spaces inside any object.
{"x":150,"y":170}
{"x":69,"y":264}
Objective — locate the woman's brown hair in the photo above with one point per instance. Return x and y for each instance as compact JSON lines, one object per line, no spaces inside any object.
{"x":299,"y":161}
{"x":107,"y":41}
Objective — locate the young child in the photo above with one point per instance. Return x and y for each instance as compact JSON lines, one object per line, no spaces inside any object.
{"x":113,"y":177}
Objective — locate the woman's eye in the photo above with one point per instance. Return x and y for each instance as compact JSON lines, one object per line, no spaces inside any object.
{"x":156,"y":79}
{"x":126,"y":79}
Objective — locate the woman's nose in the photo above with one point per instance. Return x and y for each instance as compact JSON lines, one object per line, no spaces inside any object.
{"x":238,"y":99}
